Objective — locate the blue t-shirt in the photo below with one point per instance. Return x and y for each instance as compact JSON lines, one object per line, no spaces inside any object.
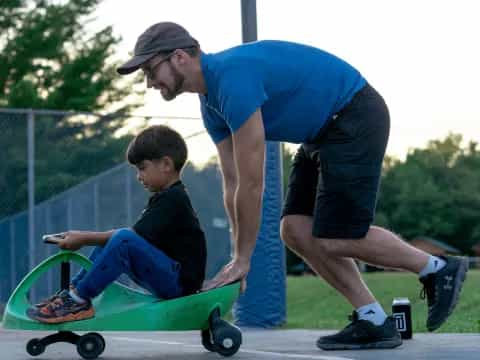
{"x":297,"y":87}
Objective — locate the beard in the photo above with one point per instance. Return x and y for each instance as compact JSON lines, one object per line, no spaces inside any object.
{"x":178,"y":80}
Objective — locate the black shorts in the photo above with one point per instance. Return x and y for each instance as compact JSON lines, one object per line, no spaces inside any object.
{"x":335,"y":179}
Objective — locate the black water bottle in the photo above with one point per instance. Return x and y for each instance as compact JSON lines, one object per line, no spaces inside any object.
{"x":402,"y":314}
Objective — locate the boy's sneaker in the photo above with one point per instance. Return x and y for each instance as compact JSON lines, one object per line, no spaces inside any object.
{"x":62,"y":309}
{"x":44,"y":302}
{"x":442,"y":290}
{"x":363,"y":334}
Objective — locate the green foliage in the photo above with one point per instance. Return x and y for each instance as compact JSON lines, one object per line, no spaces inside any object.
{"x":50,"y":61}
{"x":434,"y":192}
{"x":287,"y":161}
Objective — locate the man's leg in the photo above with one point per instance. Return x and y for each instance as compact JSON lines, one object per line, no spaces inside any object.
{"x":305,"y":185}
{"x":332,"y":259}
{"x":442,"y":277}
{"x":377,"y":248}
{"x":340,"y":272}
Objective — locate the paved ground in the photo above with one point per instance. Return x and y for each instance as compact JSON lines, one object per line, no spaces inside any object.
{"x":257,"y":344}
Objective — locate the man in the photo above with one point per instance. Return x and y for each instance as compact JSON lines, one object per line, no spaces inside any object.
{"x":280,"y":91}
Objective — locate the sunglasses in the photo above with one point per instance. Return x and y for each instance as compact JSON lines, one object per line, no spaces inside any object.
{"x":150,"y":71}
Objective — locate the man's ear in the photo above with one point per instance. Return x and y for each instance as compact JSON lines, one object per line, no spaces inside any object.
{"x":180,"y":56}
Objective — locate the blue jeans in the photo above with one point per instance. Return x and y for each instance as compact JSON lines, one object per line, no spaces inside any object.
{"x":128,"y":253}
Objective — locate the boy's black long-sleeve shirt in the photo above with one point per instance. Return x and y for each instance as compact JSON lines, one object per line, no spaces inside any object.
{"x":170,"y":224}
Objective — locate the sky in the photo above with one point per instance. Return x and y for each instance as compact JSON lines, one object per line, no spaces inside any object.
{"x":422,"y":56}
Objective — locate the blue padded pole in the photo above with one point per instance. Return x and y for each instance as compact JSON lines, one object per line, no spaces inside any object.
{"x":264,"y":302}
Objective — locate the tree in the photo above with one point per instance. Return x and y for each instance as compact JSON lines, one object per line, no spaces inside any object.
{"x":49,"y":61}
{"x":287,"y":162}
{"x":434,"y":192}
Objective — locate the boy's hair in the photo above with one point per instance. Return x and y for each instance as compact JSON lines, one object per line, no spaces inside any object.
{"x":155,"y":142}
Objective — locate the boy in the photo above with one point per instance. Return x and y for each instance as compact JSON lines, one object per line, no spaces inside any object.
{"x":164,"y":251}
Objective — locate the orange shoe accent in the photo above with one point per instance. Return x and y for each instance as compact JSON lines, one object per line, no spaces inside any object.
{"x":81,"y":315}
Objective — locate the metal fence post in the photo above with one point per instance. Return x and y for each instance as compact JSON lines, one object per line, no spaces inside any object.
{"x":69,"y":213}
{"x":95,"y":206}
{"x":48,"y":226}
{"x":128,"y":195}
{"x":31,"y":192}
{"x":13,"y":265}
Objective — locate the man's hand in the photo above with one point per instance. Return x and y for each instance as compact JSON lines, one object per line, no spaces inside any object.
{"x":236,"y":269}
{"x":72,"y":240}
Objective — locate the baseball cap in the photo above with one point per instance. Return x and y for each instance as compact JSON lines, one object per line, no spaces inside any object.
{"x":160,"y":37}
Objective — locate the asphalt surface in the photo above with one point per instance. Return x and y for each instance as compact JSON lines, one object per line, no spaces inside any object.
{"x":257,"y":344}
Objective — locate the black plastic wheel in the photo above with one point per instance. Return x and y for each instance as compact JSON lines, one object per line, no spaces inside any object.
{"x":35,"y":347}
{"x":207,"y":340}
{"x":90,"y":346}
{"x":101,"y":338}
{"x":227,"y":338}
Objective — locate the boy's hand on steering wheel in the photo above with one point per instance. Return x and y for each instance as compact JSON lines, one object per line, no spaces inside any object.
{"x":71,"y":240}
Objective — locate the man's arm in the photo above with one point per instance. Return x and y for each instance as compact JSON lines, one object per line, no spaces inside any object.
{"x":242,"y":160}
{"x":249,"y":155}
{"x":229,"y":176}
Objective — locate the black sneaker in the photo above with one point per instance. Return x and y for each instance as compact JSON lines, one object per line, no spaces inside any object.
{"x":46,"y":301}
{"x":363,"y":334}
{"x":442,"y":290}
{"x":62,"y":309}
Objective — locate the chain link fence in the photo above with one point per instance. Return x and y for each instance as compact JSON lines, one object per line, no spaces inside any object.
{"x":65,"y":171}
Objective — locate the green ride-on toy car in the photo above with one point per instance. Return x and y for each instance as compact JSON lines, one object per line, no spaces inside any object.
{"x":120,"y":308}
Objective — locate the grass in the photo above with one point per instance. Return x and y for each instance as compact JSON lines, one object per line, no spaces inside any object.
{"x":312,"y":304}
